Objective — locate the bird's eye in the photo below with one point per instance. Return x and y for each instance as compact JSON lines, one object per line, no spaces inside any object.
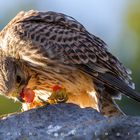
{"x":18,"y":79}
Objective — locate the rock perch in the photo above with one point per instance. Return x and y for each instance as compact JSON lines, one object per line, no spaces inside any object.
{"x":67,"y":122}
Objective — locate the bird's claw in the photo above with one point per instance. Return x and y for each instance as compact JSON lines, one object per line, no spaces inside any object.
{"x":57,"y":96}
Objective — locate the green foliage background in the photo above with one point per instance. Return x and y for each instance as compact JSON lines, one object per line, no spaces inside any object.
{"x":127,"y":48}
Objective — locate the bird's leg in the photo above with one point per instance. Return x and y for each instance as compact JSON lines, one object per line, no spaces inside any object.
{"x":58,"y":95}
{"x":108,"y":107}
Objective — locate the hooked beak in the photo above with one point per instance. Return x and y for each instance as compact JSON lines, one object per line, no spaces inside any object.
{"x":20,"y":100}
{"x":18,"y":95}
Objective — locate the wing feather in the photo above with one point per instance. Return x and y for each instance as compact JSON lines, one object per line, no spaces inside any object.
{"x":60,"y":32}
{"x":65,"y":40}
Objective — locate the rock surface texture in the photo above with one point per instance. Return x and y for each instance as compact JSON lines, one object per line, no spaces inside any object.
{"x":67,"y":122}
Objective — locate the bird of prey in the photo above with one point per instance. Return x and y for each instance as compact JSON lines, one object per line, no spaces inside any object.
{"x":49,"y":57}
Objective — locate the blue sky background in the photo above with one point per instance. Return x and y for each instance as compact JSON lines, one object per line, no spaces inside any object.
{"x":102,"y":18}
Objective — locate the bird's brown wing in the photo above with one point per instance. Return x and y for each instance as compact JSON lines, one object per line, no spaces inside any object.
{"x":61,"y":38}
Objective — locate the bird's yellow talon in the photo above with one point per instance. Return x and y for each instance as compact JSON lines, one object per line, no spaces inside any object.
{"x":51,"y":101}
{"x":59,"y":96}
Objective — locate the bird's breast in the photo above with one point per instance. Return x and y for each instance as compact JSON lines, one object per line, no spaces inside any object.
{"x":78,"y":85}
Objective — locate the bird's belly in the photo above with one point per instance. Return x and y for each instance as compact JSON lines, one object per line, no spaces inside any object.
{"x":81,"y":91}
{"x":79,"y":87}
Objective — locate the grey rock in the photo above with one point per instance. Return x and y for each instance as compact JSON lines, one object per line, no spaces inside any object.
{"x":68,"y":122}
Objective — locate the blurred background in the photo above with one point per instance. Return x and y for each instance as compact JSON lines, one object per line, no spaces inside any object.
{"x":115,"y":22}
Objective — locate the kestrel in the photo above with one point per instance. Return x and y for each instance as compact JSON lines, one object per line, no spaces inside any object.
{"x":49,"y":57}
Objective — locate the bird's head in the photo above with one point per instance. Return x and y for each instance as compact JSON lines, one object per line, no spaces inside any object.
{"x":12,"y":77}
